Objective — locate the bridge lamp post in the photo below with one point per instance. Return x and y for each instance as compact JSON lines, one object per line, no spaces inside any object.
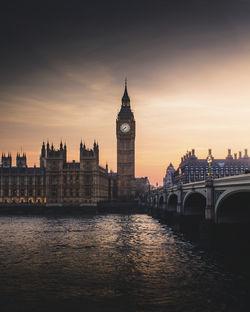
{"x":209,"y":211}
{"x":209,"y":160}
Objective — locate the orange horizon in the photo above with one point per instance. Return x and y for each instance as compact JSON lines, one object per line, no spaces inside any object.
{"x":201,"y":101}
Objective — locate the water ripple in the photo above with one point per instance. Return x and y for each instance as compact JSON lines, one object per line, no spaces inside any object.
{"x":109,"y":263}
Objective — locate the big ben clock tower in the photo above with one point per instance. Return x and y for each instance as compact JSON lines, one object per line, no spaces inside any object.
{"x":125,"y":134}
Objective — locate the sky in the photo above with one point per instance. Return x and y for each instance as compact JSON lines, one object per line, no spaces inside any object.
{"x":63,"y":65}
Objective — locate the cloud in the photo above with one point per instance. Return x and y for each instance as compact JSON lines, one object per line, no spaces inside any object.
{"x":188,"y":82}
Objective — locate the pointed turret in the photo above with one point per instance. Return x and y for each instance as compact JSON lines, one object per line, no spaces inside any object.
{"x":43,"y":150}
{"x":6,"y":161}
{"x":47,"y":147}
{"x":21,"y":160}
{"x":43,"y":156}
{"x":65,"y":153}
{"x":96,"y":150}
{"x":125,"y":111}
{"x":125,"y":98}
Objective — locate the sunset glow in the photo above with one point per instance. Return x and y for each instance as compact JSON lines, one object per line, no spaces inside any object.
{"x":188,"y":85}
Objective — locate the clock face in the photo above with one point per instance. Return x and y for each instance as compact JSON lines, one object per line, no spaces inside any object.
{"x":125,"y":127}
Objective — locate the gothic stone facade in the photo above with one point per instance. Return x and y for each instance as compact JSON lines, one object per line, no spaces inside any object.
{"x":57,"y":182}
{"x":125,"y":134}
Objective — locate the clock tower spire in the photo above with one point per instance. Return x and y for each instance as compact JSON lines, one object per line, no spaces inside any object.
{"x":125,"y":134}
{"x":125,"y":98}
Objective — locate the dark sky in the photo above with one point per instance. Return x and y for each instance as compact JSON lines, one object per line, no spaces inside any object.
{"x":111,"y":30}
{"x":63,"y":64}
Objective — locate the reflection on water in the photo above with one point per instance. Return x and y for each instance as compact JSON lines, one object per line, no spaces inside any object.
{"x":109,"y":263}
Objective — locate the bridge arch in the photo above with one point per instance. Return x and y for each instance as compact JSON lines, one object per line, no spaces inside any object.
{"x":194,"y":204}
{"x":233,"y":206}
{"x":172,"y":202}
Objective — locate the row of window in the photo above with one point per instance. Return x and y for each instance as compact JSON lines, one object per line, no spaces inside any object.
{"x":71,"y":192}
{"x":55,"y":180}
{"x":21,"y":179}
{"x":39,"y":180}
{"x":30,"y":192}
{"x":192,"y":178}
{"x":214,"y":168}
{"x":213,"y":173}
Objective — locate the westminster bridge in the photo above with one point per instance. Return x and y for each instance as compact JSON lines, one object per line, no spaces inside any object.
{"x":222,"y":200}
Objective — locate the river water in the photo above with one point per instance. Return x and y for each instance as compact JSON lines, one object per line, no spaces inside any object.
{"x":114,"y":262}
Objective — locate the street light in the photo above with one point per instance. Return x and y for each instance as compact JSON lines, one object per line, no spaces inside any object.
{"x":209,"y":160}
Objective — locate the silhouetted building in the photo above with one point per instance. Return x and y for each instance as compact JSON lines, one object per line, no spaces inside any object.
{"x":192,"y":169}
{"x":56,"y":182}
{"x":125,"y":134}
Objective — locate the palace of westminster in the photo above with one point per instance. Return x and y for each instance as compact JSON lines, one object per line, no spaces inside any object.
{"x":58,"y":182}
